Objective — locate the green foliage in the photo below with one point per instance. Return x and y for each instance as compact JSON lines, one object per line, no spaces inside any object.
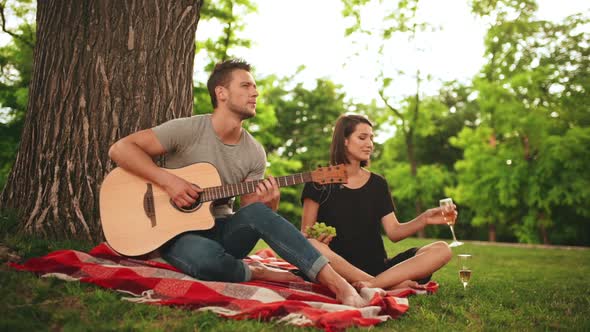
{"x":558,"y":178}
{"x":305,"y":120}
{"x":435,"y":155}
{"x":413,"y":116}
{"x":352,"y":9}
{"x":488,"y":177}
{"x":263,"y":125}
{"x":512,"y":168}
{"x":15,"y":73}
{"x":229,"y":15}
{"x":502,"y":10}
{"x":301,"y":130}
{"x":290,"y":208}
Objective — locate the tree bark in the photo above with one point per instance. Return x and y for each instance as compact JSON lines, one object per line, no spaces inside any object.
{"x":542,"y":228}
{"x":101,"y":70}
{"x":492,"y":232}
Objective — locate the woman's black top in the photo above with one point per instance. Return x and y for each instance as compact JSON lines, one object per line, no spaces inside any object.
{"x":356,"y":214}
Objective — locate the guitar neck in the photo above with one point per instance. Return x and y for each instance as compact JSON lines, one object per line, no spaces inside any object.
{"x":231,"y":190}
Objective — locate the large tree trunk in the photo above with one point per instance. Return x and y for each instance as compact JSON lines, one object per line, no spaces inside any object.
{"x":102,"y":69}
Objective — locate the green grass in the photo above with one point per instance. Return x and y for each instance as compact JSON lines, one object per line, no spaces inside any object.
{"x":512,"y":288}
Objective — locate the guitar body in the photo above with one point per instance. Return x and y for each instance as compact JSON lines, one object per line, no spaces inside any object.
{"x":137,"y":216}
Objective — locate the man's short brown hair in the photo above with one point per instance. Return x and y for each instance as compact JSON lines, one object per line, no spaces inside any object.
{"x":221,"y":75}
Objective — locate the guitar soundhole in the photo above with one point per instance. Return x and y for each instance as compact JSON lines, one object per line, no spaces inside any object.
{"x":191,"y":208}
{"x":187,"y":209}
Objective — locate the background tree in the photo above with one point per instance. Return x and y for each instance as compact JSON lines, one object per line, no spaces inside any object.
{"x":226,"y":18}
{"x":535,"y":68}
{"x":302,"y":132}
{"x":410,"y":115}
{"x":101,"y":70}
{"x":15,"y":73}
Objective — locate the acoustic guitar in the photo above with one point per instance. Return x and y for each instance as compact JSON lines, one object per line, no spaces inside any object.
{"x":138,"y":216}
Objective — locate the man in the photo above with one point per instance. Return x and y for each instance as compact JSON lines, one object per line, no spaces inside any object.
{"x":220,"y":139}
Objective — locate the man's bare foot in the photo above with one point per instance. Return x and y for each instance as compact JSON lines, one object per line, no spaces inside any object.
{"x":263,"y":272}
{"x":353,"y":299}
{"x":344,"y":292}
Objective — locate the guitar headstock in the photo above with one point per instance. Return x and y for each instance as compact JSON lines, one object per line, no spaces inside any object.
{"x":330,"y":174}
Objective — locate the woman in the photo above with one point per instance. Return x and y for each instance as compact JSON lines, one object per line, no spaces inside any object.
{"x":358,"y":209}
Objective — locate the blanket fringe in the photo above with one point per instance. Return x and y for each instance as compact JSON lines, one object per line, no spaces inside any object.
{"x":296,"y":319}
{"x":144,"y":297}
{"x":220,"y":310}
{"x":61,"y":276}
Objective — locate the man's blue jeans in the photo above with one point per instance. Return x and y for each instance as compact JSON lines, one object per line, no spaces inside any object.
{"x":216,"y":254}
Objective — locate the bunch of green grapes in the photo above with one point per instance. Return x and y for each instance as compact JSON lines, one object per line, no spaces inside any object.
{"x":318,"y":229}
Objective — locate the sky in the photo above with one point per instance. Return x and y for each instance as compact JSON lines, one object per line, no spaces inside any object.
{"x":287,"y":34}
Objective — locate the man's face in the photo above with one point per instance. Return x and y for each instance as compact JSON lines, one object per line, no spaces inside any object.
{"x":240,"y":95}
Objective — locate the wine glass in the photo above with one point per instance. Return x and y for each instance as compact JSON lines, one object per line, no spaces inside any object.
{"x":447,"y":211}
{"x":464,"y":269}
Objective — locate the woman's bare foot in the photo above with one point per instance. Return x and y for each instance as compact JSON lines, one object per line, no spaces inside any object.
{"x":263,"y":272}
{"x":408,"y":284}
{"x":367,"y":290}
{"x":358,"y":285}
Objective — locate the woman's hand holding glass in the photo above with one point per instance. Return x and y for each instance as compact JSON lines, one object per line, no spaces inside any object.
{"x":449,"y":215}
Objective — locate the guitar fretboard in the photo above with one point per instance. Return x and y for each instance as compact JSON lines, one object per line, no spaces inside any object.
{"x":230,"y":190}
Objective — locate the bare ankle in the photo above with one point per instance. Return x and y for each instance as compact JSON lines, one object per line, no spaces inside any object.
{"x":344,"y":291}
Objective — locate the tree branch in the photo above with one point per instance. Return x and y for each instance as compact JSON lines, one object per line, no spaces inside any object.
{"x":12,"y":34}
{"x":394,"y":110}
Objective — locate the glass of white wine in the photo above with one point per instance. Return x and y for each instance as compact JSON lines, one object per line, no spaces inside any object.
{"x":464,"y":269}
{"x":447,"y":211}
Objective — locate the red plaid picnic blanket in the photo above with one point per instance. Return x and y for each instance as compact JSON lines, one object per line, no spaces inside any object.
{"x":148,"y":281}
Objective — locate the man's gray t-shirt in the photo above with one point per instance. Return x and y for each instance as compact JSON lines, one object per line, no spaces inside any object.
{"x":193,"y":140}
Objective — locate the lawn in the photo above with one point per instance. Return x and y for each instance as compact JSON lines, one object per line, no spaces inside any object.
{"x":512,"y":288}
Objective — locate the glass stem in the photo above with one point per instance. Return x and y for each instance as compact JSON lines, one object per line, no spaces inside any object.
{"x":453,"y":231}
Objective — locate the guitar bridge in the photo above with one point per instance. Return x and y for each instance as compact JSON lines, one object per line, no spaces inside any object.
{"x":148,"y":204}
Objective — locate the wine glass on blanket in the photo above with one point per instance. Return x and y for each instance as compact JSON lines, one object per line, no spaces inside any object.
{"x":464,"y":268}
{"x":447,"y":211}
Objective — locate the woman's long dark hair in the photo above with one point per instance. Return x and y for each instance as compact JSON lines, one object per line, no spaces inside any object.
{"x":345,"y":126}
